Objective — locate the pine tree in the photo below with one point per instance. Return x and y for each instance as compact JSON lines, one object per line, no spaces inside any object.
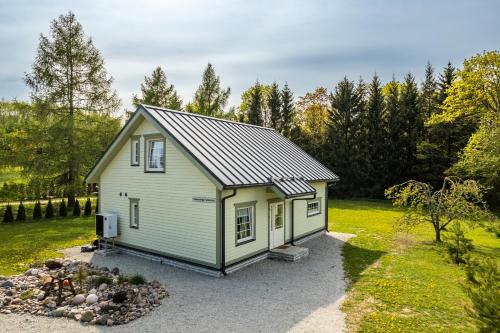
{"x":37,"y":211}
{"x":445,"y":80}
{"x":210,"y":99}
{"x":49,"y":210}
{"x":69,"y":82}
{"x":63,"y":210}
{"x":76,"y":208}
{"x":287,"y":111}
{"x":274,"y":106}
{"x":8,"y":216}
{"x":157,"y":92}
{"x":429,"y":94}
{"x":88,"y":208}
{"x":21,"y":212}
{"x":254,"y":114}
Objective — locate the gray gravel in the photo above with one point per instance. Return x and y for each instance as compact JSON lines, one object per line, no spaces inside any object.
{"x":270,"y":296}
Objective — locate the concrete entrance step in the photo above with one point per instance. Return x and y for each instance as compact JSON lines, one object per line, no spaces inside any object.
{"x":289,"y":253}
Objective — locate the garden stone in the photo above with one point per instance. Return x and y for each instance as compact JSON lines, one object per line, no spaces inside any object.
{"x":87,"y":316}
{"x":91,"y":299}
{"x":102,"y":320}
{"x":110,"y":322}
{"x":92,"y":291}
{"x":78,"y":299}
{"x":7,"y":300}
{"x":9,"y":292}
{"x":7,"y":284}
{"x":57,"y":312}
{"x":115,"y":271}
{"x":103,"y":287}
{"x":53,"y":264}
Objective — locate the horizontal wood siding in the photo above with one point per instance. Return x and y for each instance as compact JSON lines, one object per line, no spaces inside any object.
{"x":170,"y":222}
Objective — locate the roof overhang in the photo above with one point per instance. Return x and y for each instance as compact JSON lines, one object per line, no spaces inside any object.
{"x":291,"y":187}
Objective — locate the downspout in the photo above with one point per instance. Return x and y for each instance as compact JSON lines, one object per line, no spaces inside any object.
{"x":223,"y":232}
{"x":292,"y":216}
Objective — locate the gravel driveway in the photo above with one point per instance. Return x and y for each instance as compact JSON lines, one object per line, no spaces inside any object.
{"x":270,"y":296}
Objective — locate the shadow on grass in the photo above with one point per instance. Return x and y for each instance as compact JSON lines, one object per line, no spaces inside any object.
{"x":358,"y":259}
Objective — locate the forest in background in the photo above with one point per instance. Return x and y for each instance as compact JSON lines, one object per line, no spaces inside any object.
{"x":373,"y":134}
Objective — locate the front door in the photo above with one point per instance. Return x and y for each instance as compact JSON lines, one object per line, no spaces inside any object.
{"x":276,"y":225}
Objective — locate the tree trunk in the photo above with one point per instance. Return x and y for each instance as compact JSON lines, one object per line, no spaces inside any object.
{"x":438,"y":233}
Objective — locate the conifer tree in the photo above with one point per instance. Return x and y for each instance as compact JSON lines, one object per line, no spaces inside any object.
{"x":88,"y":208}
{"x":63,"y":210}
{"x":37,"y":211}
{"x":21,"y":212}
{"x":157,"y":92}
{"x":274,"y":106}
{"x":8,"y":216}
{"x":446,"y":78}
{"x":76,"y":208}
{"x":49,"y":210}
{"x":254,"y":114}
{"x":287,"y":111}
{"x":210,"y":99}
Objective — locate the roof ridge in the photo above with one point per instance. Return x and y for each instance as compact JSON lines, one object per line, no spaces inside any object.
{"x":203,"y":116}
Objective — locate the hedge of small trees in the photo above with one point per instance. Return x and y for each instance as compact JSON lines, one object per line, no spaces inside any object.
{"x":37,"y":211}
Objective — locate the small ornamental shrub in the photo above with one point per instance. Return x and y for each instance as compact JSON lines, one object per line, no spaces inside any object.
{"x":456,"y":244}
{"x":7,"y":214}
{"x":97,"y":206}
{"x":122,"y":279}
{"x":21,"y":212}
{"x":71,"y":201}
{"x":49,"y":210}
{"x":483,"y":289}
{"x":63,"y":210}
{"x":76,"y":208}
{"x":37,"y":211}
{"x":102,"y":279}
{"x":88,"y":208}
{"x":137,"y":279}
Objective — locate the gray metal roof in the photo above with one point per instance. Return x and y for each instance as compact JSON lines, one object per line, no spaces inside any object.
{"x":239,"y":154}
{"x":292,"y":187}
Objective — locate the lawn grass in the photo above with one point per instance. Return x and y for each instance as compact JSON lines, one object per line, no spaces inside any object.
{"x":400,"y":282}
{"x":24,"y":243}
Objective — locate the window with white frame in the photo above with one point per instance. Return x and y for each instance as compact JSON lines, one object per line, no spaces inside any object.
{"x":135,"y":152}
{"x":134,"y":213}
{"x":244,"y":224}
{"x":155,"y":155}
{"x":313,"y":207}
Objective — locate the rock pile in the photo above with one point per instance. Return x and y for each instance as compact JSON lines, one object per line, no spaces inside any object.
{"x":103,"y":297}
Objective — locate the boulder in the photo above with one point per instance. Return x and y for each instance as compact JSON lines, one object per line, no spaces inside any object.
{"x":57,"y":312}
{"x":53,"y":264}
{"x":115,"y":271}
{"x":103,"y":287}
{"x":7,"y":284}
{"x":87,"y":316}
{"x":78,"y":299}
{"x":91,"y":299}
{"x":102,"y":320}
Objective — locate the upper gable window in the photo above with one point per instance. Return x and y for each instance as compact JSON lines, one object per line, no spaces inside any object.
{"x":135,"y":151}
{"x":155,"y":154}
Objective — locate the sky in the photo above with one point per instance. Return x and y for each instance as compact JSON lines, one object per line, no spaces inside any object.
{"x":305,"y":43}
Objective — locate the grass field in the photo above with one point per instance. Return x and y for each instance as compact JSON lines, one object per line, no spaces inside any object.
{"x":401,"y":282}
{"x":24,"y":243}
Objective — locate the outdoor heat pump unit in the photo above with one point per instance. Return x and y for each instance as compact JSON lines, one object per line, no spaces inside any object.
{"x":106,"y":225}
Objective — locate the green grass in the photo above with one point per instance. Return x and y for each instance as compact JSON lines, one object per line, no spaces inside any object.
{"x":25,"y":243}
{"x":401,"y":282}
{"x":11,"y":175}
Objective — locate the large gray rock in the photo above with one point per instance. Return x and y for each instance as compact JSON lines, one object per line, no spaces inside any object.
{"x":57,"y":312}
{"x":87,"y":316}
{"x":7,"y":284}
{"x":78,"y":299}
{"x":91,"y":299}
{"x":102,"y":320}
{"x":53,"y":264}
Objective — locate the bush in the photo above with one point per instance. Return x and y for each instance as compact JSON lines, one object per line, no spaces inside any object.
{"x":137,"y":279}
{"x":483,"y":289}
{"x":122,"y":279}
{"x":37,"y":211}
{"x":8,"y":216}
{"x":21,"y":212}
{"x":456,"y":244}
{"x":102,"y":279}
{"x":49,"y":210}
{"x":76,"y":208}
{"x":63,"y":210}
{"x":88,"y":208}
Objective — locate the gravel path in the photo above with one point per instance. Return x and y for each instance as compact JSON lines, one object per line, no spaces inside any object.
{"x":270,"y":296}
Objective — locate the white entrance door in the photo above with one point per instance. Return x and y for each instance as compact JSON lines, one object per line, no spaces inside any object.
{"x":276,"y":225}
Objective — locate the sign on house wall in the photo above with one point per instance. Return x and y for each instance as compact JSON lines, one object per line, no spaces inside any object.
{"x":203,"y":200}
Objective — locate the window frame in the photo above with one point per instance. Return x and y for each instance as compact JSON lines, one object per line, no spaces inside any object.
{"x":133,"y":140}
{"x":253,"y":232}
{"x":147,"y":139}
{"x":134,"y":202}
{"x":312,"y":201}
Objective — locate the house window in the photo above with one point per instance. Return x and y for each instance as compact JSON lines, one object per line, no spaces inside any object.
{"x":313,"y":207}
{"x":245,"y":223}
{"x":135,"y":151}
{"x":155,"y":155}
{"x":134,"y":213}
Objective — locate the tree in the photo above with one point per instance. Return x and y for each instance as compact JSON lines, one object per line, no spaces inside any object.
{"x":88,"y":208}
{"x":72,"y":90}
{"x":455,"y":200}
{"x":63,"y":210}
{"x":21,"y":212}
{"x":76,"y":208}
{"x":246,"y":102}
{"x":37,"y":211}
{"x":274,"y":106}
{"x":254,"y":113}
{"x":157,"y":92}
{"x":457,"y":244}
{"x":287,"y":111}
{"x":8,"y":216}
{"x":446,"y":79}
{"x":210,"y":99}
{"x":49,"y":210}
